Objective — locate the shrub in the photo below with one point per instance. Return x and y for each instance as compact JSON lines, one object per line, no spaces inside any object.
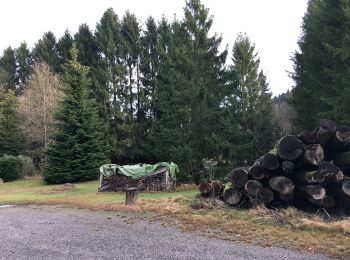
{"x":15,"y":167}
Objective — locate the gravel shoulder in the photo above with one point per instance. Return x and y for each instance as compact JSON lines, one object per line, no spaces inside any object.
{"x":65,"y":233}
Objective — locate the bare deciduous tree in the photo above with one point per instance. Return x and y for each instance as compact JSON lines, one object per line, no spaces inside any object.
{"x":37,"y":106}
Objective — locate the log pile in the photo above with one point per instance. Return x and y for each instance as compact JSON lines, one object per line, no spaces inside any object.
{"x":159,"y":180}
{"x":310,"y":170}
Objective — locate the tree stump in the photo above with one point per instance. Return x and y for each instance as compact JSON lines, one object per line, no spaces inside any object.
{"x":131,"y":195}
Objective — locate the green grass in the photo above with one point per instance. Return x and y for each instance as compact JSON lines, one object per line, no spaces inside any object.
{"x":36,"y":191}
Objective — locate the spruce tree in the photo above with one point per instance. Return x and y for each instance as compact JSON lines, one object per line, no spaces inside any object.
{"x":248,"y":105}
{"x":78,"y":147}
{"x":11,"y":137}
{"x":63,"y":46}
{"x":8,"y":69}
{"x":24,"y":66}
{"x":321,"y":66}
{"x":46,"y":50}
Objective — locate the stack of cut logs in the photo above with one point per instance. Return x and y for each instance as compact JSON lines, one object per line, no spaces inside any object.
{"x":311,"y":169}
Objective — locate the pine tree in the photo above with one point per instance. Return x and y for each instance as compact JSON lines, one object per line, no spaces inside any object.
{"x":63,"y":46}
{"x":24,"y":66}
{"x":108,"y":39}
{"x":11,"y":137}
{"x":322,"y":65}
{"x":78,"y":146}
{"x":46,"y":50}
{"x":248,"y":105}
{"x":8,"y":69}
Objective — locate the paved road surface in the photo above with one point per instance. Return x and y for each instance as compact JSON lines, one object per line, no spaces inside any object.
{"x":61,"y":233}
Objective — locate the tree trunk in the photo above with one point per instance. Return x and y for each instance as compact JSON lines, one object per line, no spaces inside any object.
{"x":326,"y":202}
{"x":253,"y":187}
{"x":257,"y":172}
{"x":131,"y":195}
{"x":324,"y":131}
{"x":346,"y":186}
{"x":286,"y":197}
{"x":238,"y":177}
{"x":288,"y":167}
{"x":310,"y":177}
{"x":313,"y":154}
{"x":266,"y":195}
{"x":316,"y":192}
{"x":216,"y":188}
{"x":307,"y":137}
{"x":342,"y":159}
{"x":281,"y":184}
{"x":290,"y":148}
{"x":232,"y":195}
{"x":268,"y":161}
{"x":340,"y":142}
{"x":331,"y":171}
{"x":204,"y":188}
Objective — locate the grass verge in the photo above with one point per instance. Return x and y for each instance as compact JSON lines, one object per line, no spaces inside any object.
{"x":287,"y":228}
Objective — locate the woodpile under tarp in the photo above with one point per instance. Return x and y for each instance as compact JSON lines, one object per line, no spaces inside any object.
{"x":310,"y":170}
{"x":146,"y":177}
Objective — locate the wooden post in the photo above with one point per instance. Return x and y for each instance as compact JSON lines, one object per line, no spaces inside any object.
{"x":131,"y":195}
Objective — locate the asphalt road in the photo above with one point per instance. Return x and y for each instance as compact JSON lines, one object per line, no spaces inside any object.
{"x":62,"y":233}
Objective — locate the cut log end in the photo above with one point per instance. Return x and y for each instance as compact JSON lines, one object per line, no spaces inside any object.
{"x":316,"y":192}
{"x":257,"y":172}
{"x":232,"y":196}
{"x":266,"y":196}
{"x":313,"y":154}
{"x":307,"y":137}
{"x":238,"y":177}
{"x":253,"y":187}
{"x":268,"y":161}
{"x":281,"y":184}
{"x":204,"y":188}
{"x":325,"y":130}
{"x":290,"y":148}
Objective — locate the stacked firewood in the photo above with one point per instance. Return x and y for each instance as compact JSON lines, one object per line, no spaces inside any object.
{"x":312,"y":168}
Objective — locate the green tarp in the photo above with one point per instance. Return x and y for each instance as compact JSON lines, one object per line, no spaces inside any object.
{"x":137,"y":171}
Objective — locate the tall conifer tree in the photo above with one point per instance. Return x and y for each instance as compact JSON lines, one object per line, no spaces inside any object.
{"x":78,"y":147}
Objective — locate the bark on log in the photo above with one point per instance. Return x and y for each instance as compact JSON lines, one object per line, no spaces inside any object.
{"x":268,"y":161}
{"x":307,"y":137}
{"x":238,"y":177}
{"x":324,"y":131}
{"x":346,"y":186}
{"x":253,"y":187}
{"x":204,"y":188}
{"x":310,"y":177}
{"x":266,"y":195}
{"x":331,"y":171}
{"x":326,"y":202}
{"x":290,"y":148}
{"x":216,"y":188}
{"x":340,"y":142}
{"x":232,"y":195}
{"x":257,"y":172}
{"x":316,"y":192}
{"x":313,"y":154}
{"x":281,"y":184}
{"x":286,"y":197}
{"x":131,"y":195}
{"x":288,"y":167}
{"x":342,"y":159}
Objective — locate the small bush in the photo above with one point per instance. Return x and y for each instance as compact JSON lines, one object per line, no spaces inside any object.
{"x":15,"y":167}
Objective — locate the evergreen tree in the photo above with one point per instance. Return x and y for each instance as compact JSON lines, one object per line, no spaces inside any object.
{"x":11,"y":137}
{"x":321,"y":66}
{"x":8,"y":69}
{"x":78,"y":146}
{"x":248,"y":105}
{"x":24,"y":66}
{"x":46,"y":50}
{"x":108,"y":39}
{"x":63,"y":46}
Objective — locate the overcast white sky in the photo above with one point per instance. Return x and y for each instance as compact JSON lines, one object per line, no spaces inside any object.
{"x":273,"y":25}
